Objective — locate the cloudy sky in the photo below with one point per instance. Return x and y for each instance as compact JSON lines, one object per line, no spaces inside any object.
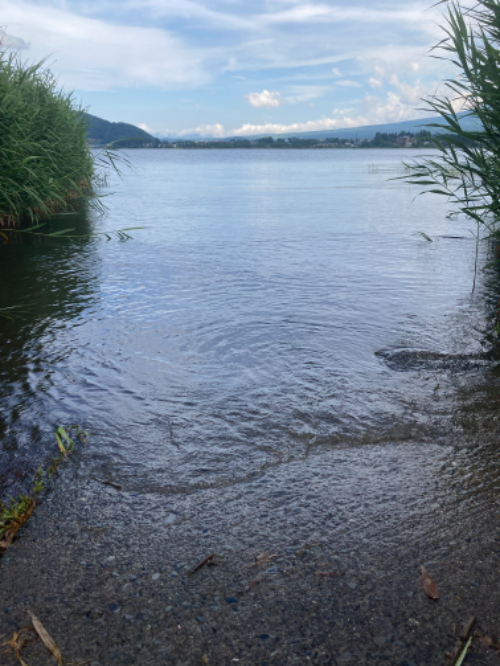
{"x":226,"y":67}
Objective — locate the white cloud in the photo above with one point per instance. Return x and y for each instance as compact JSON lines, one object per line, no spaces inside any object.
{"x":319,"y":13}
{"x":145,"y":127}
{"x":346,"y":83}
{"x":91,"y":54}
{"x":11,"y":42}
{"x":375,"y":83}
{"x":217,"y":131}
{"x":396,"y":107}
{"x":264,"y":99}
{"x":336,"y":72}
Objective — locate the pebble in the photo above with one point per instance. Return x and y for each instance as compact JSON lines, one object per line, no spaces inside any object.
{"x":155,"y":576}
{"x":111,"y":558}
{"x":128,"y":617}
{"x":346,"y":656}
{"x":352,"y":584}
{"x":174,"y":574}
{"x":179,"y":565}
{"x":169,"y":608}
{"x":213,"y":606}
{"x":231,"y":600}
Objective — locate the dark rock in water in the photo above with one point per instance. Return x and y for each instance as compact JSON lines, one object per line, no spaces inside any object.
{"x":404,"y":360}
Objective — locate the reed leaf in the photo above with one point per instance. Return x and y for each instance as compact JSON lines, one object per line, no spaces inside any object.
{"x":46,"y":166}
{"x":468,"y":170}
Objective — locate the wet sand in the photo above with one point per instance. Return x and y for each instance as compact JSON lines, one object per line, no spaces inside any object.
{"x":106,"y":570}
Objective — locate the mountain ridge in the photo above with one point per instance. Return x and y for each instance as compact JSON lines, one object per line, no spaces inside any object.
{"x":104,"y":132}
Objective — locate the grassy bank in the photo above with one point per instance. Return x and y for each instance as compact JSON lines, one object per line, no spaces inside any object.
{"x":45,"y":163}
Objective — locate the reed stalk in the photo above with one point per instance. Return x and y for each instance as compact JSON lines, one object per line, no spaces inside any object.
{"x":467,"y":171}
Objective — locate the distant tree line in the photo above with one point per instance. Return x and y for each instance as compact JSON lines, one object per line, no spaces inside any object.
{"x":422,"y":139}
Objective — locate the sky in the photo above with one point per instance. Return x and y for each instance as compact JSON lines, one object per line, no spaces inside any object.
{"x":235,"y":67}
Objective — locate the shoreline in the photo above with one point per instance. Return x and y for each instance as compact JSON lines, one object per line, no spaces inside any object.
{"x":105,"y":570}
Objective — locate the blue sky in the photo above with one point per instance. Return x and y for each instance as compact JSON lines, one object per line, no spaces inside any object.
{"x":234,"y":67}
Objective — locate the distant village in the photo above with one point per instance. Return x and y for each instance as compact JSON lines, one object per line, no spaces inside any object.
{"x":381,"y":140}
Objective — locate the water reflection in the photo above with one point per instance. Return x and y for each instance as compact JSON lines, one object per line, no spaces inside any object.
{"x":55,"y":283}
{"x":240,"y":330}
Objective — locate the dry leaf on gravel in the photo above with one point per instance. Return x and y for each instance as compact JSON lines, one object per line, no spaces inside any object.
{"x":17,"y":643}
{"x":46,"y":639}
{"x":262,"y":558}
{"x":201,"y":564}
{"x":430,"y":587}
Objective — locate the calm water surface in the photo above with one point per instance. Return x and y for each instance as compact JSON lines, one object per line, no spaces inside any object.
{"x":239,"y":328}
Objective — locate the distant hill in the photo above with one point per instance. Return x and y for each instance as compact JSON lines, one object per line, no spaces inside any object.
{"x":367,"y":132}
{"x":102,"y":133}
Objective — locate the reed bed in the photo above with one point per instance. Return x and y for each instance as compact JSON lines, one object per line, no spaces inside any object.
{"x":45,"y":163}
{"x":467,"y":171}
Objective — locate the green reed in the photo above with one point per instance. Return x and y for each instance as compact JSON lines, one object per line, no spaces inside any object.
{"x":45,"y":164}
{"x":467,"y":171}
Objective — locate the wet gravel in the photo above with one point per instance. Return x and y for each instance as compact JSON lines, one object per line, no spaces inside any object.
{"x":106,"y":571}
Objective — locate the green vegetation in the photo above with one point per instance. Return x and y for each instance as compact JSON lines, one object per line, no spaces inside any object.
{"x":14,"y":514}
{"x":135,"y":142}
{"x":102,"y":133}
{"x":45,"y":163}
{"x":422,"y":139}
{"x":467,"y":170}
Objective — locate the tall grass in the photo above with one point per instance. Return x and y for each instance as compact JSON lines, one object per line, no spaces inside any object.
{"x":45,"y":164}
{"x":467,"y":171}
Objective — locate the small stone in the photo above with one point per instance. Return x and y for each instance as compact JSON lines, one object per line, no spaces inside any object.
{"x":264,"y":637}
{"x":346,"y":656}
{"x":199,"y":618}
{"x":231,"y":600}
{"x":353,"y":586}
{"x":169,"y":608}
{"x":475,"y":584}
{"x":128,"y":617}
{"x":111,"y":558}
{"x":174,"y":574}
{"x":179,"y":565}
{"x":155,"y":576}
{"x":272,"y":570}
{"x":213,"y":606}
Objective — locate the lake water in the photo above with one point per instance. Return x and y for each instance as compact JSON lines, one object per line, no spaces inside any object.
{"x":240,"y":328}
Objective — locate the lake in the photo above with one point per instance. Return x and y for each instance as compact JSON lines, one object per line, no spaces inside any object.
{"x":274,"y":303}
